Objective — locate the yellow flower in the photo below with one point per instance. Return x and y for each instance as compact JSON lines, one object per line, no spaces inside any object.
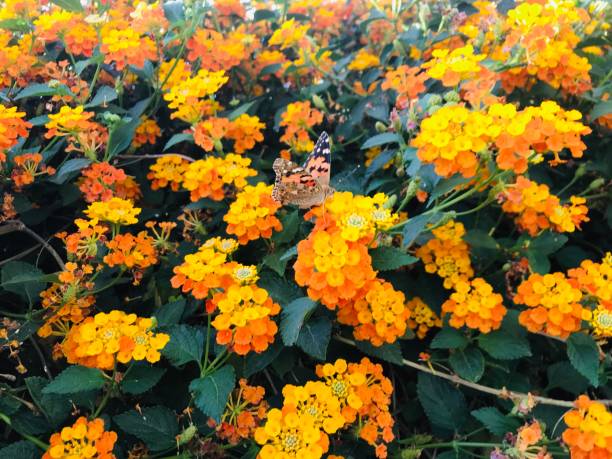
{"x":364,"y":60}
{"x":602,"y":322}
{"x":115,"y":210}
{"x":289,"y":34}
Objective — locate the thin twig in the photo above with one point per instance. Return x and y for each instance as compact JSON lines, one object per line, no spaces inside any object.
{"x":41,"y":357}
{"x":502,"y":393}
{"x":185,"y":157}
{"x":16,"y":225}
{"x":20,"y":254}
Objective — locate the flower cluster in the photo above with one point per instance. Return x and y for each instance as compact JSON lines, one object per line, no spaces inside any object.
{"x":26,"y":168}
{"x":252,"y":215}
{"x":126,"y":46}
{"x":243,"y":322}
{"x":536,"y":209}
{"x":83,"y":243}
{"x":451,"y":67}
{"x":209,"y":178}
{"x":12,"y":126}
{"x":69,"y":122}
{"x":82,"y":439}
{"x":134,"y":252}
{"x":422,"y":318}
{"x":217,"y":51}
{"x":297,"y":119}
{"x":595,"y":279}
{"x":147,"y":132}
{"x":245,"y":131}
{"x":168,"y":170}
{"x":407,"y":82}
{"x":447,"y":255}
{"x":101,"y":181}
{"x":589,"y":429}
{"x":475,"y":305}
{"x":116,"y":211}
{"x":107,"y":338}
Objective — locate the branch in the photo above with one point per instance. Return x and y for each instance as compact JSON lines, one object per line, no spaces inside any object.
{"x":185,"y":157}
{"x":16,"y":225}
{"x":501,"y":393}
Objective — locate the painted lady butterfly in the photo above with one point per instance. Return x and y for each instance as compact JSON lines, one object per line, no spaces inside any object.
{"x":308,"y":185}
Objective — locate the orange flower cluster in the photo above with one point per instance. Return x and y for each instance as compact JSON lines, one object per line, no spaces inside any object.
{"x":208,"y":133}
{"x":67,"y":301}
{"x":216,"y":51}
{"x":84,"y":439}
{"x":297,"y":119}
{"x":447,"y":254}
{"x":101,"y":181}
{"x":334,"y":270}
{"x":167,"y":170}
{"x":246,"y":132}
{"x":589,"y":430}
{"x":554,"y":304}
{"x":126,"y":46}
{"x":595,"y":279}
{"x":12,"y":126}
{"x":132,"y":252}
{"x":79,"y":37}
{"x":104,"y":339}
{"x":26,"y":169}
{"x":83,"y":244}
{"x":380,"y":317}
{"x":147,"y":132}
{"x":475,"y":305}
{"x":422,"y":318}
{"x":205,"y":269}
{"x":407,"y":81}
{"x":243,"y":322}
{"x":209,"y":178}
{"x":252,"y":215}
{"x":536,"y":209}
{"x":245,"y":411}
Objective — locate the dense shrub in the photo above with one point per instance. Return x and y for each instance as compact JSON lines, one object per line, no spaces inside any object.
{"x":434,"y":281}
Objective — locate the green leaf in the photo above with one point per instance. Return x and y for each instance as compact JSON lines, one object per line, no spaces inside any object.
{"x":69,"y":5}
{"x":495,"y":421}
{"x":416,"y":226}
{"x":445,"y":186}
{"x":387,"y":352}
{"x":170,"y":313}
{"x":174,"y":11}
{"x":254,"y":362}
{"x":380,"y":139}
{"x":43,"y":90}
{"x":22,"y":279}
{"x":56,"y":408}
{"x":141,"y":378}
{"x":480,"y":239}
{"x":242,"y":109}
{"x":121,"y":137}
{"x":156,"y":426}
{"x":15,"y":25}
{"x":601,"y":109}
{"x":584,"y":356}
{"x":548,"y":242}
{"x":443,"y":403}
{"x":178,"y":138}
{"x":314,"y":337}
{"x":74,"y":379}
{"x":390,"y":258}
{"x":212,"y":391}
{"x":69,"y":169}
{"x":564,"y":376}
{"x":186,"y":344}
{"x":468,"y":363}
{"x":292,"y":318}
{"x":20,"y":450}
{"x":104,"y":95}
{"x":449,"y":338}
{"x":504,"y":346}
{"x":291,"y":224}
{"x":276,"y":263}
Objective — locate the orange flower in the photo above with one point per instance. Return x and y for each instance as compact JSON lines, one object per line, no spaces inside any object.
{"x":407,"y":82}
{"x":131,"y":252}
{"x":595,"y":279}
{"x":26,"y":169}
{"x":11,"y":128}
{"x":167,"y":170}
{"x":84,"y":439}
{"x":146,"y":132}
{"x":451,"y":67}
{"x":297,"y":118}
{"x":380,"y":317}
{"x":252,"y":215}
{"x":335,"y":271}
{"x":589,"y":430}
{"x":69,"y":122}
{"x":422,"y":318}
{"x":218,"y":52}
{"x":84,"y":242}
{"x":475,"y":305}
{"x":208,"y":134}
{"x":126,"y":47}
{"x":101,"y":181}
{"x":246,"y":132}
{"x":243,"y":322}
{"x":554,"y":305}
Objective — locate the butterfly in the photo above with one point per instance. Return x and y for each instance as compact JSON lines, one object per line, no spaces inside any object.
{"x":308,"y":185}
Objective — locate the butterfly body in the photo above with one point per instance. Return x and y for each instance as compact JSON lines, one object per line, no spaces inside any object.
{"x":308,"y":185}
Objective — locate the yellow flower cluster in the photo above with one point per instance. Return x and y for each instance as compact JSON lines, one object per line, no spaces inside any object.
{"x":447,"y":254}
{"x":104,"y":339}
{"x":187,"y":97}
{"x":68,"y":121}
{"x":422,"y":318}
{"x":116,"y":210}
{"x":126,"y":47}
{"x":601,"y":322}
{"x":289,"y":34}
{"x":452,"y":67}
{"x":252,"y":215}
{"x":208,"y":178}
{"x":167,"y":171}
{"x":364,"y":60}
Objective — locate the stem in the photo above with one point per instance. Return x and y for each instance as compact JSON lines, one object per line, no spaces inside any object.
{"x":109,"y":285}
{"x":17,"y":225}
{"x":208,"y":320}
{"x":94,"y":80}
{"x":42,"y":445}
{"x":106,"y":397}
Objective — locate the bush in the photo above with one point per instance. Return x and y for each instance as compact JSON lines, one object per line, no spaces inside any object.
{"x":434,"y":281}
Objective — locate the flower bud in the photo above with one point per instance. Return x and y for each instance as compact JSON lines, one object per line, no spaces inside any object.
{"x":451,"y":96}
{"x":380,"y":127}
{"x":597,"y":183}
{"x":318,"y":102}
{"x":434,"y":99}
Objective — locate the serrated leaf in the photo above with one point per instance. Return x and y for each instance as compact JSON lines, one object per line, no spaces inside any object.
{"x":212,"y":392}
{"x":292,"y":318}
{"x":314,"y":337}
{"x":178,"y":138}
{"x":291,"y":224}
{"x":583,"y":354}
{"x":170,"y":313}
{"x":390,"y":258}
{"x":55,"y":407}
{"x":380,"y":139}
{"x":388,"y":352}
{"x":495,"y":421}
{"x":186,"y":344}
{"x":20,"y":450}
{"x":443,"y":404}
{"x":468,"y":363}
{"x":22,"y":279}
{"x":141,"y":378}
{"x":275,"y":262}
{"x":69,"y":170}
{"x":504,"y":346}
{"x":74,"y":379}
{"x":449,"y":338}
{"x":156,"y":426}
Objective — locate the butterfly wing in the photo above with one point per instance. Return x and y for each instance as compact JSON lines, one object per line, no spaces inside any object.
{"x":318,"y":163}
{"x":295,"y":185}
